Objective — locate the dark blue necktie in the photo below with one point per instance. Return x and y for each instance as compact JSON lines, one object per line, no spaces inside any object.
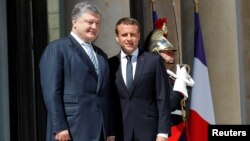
{"x":129,"y":73}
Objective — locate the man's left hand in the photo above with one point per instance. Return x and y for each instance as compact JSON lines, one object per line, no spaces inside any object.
{"x":159,"y":138}
{"x":111,"y":138}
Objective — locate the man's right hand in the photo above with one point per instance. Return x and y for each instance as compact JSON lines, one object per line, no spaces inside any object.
{"x":111,"y":138}
{"x":63,"y":136}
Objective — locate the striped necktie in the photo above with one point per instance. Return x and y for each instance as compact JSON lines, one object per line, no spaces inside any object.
{"x":90,"y":52}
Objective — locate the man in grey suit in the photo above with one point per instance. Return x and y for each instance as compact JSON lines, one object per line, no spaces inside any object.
{"x":75,"y":82}
{"x":142,"y":102}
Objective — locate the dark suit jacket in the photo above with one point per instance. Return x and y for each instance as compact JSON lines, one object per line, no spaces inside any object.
{"x":76,"y":97}
{"x":145,"y":111}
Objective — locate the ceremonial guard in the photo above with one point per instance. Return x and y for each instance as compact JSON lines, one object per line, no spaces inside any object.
{"x":157,"y":42}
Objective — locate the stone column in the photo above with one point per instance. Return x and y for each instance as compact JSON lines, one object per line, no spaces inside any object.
{"x":225,"y":28}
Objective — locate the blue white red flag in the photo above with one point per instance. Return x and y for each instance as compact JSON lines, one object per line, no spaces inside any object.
{"x":154,"y":18}
{"x":201,"y":113}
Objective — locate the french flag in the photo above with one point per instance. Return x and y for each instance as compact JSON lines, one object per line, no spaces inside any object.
{"x":201,"y":113}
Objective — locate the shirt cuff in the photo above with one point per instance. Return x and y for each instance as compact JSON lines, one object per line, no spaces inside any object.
{"x":163,"y":135}
{"x":111,"y":137}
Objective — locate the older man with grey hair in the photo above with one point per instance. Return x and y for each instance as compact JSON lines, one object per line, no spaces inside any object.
{"x":75,"y":82}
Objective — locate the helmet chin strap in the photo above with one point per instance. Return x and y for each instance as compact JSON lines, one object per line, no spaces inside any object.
{"x":169,"y":62}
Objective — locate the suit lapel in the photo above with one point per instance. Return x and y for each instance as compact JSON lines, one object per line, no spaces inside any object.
{"x":120,"y":81}
{"x":102,"y":69}
{"x":139,"y":68}
{"x":119,"y":78}
{"x":83,"y":55}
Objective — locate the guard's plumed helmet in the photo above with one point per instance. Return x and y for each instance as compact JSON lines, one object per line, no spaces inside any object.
{"x":158,"y":40}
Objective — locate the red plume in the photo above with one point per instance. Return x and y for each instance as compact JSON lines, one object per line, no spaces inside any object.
{"x":159,"y":23}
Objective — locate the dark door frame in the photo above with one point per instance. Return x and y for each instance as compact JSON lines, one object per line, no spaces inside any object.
{"x":136,"y":11}
{"x":27,"y":36}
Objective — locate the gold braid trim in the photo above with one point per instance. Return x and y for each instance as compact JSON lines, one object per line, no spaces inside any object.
{"x":184,"y":109}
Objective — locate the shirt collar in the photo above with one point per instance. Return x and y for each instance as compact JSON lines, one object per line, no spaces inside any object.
{"x":134,"y":54}
{"x":80,"y":41}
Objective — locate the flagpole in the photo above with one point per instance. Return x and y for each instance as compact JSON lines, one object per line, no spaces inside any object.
{"x":178,"y":33}
{"x":152,"y":4}
{"x":196,"y":2}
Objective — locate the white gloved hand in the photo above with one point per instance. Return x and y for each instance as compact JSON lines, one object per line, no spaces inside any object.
{"x":182,"y":80}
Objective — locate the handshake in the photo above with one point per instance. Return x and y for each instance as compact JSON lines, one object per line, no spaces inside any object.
{"x":182,"y":79}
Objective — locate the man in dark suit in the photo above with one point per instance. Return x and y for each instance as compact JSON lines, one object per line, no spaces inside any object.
{"x":75,"y":82}
{"x":143,"y":103}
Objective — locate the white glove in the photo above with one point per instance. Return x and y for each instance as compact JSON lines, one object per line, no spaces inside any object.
{"x":182,"y":79}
